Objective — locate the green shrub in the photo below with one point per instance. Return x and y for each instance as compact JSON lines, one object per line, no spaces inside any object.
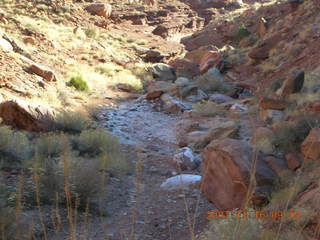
{"x":50,"y":146}
{"x":95,"y":141}
{"x":14,"y":148}
{"x":73,"y":122}
{"x":7,"y":221}
{"x":78,"y":83}
{"x":242,"y":32}
{"x":290,"y":137}
{"x":91,"y":33}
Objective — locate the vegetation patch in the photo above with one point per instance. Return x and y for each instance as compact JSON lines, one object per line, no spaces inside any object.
{"x":290,"y":137}
{"x":78,"y":83}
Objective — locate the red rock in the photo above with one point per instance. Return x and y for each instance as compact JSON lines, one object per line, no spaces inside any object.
{"x":100,"y":9}
{"x":293,"y":161}
{"x":272,"y":103}
{"x":23,"y":115}
{"x":209,"y":60}
{"x":185,"y":66}
{"x":275,"y":164}
{"x":310,"y":147}
{"x":314,"y":107}
{"x":293,"y":84}
{"x":197,"y":55}
{"x":226,"y":173}
{"x":43,"y":72}
{"x":261,"y":52}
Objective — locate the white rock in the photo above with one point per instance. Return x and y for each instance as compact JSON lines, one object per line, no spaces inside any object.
{"x":182,"y":181}
{"x":184,"y":159}
{"x":238,"y":106}
{"x":5,"y":45}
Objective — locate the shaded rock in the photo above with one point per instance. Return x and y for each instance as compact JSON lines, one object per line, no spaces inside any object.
{"x":22,"y":115}
{"x":220,"y":98}
{"x":163,"y":72}
{"x":294,"y":161}
{"x":276,"y":164}
{"x":261,"y":52}
{"x":162,"y":31}
{"x":182,"y":181}
{"x":272,"y":103}
{"x":310,"y":146}
{"x":100,"y":9}
{"x":205,"y":131}
{"x":185,"y":67}
{"x":43,"y":72}
{"x":226,"y":174}
{"x":293,"y":84}
{"x":198,"y":96}
{"x":156,"y":89}
{"x":271,"y":116}
{"x":184,"y":159}
{"x":182,"y":81}
{"x":170,"y":104}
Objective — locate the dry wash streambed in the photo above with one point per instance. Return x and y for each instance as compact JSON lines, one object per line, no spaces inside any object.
{"x":142,"y":210}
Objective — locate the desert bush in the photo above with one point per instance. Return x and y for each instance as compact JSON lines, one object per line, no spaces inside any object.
{"x":208,"y":109}
{"x":7,"y":223}
{"x":69,"y":121}
{"x":212,"y":82}
{"x":50,"y":146}
{"x":91,"y":33}
{"x":233,"y":227}
{"x":78,"y":83}
{"x":242,"y":32}
{"x":290,"y":137}
{"x":95,"y":141}
{"x":14,"y":147}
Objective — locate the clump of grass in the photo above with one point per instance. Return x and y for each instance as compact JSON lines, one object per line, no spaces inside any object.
{"x":208,"y":109}
{"x":72,"y":122}
{"x":14,"y":148}
{"x":233,"y":227}
{"x":7,"y":223}
{"x":91,"y":32}
{"x":78,"y":83}
{"x":290,"y":137}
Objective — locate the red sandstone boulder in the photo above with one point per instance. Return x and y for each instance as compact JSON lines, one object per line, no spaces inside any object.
{"x":100,"y":9}
{"x":310,"y":147}
{"x":226,"y":173}
{"x":272,"y":103}
{"x":293,"y":84}
{"x":23,"y":115}
{"x":185,"y":66}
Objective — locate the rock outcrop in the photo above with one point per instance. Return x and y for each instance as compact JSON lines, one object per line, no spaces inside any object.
{"x":23,"y":115}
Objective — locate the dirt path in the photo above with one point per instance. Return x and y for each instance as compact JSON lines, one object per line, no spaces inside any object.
{"x":142,"y":210}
